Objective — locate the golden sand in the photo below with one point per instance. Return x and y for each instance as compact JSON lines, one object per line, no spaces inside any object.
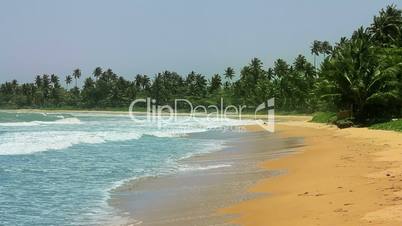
{"x":340,"y":177}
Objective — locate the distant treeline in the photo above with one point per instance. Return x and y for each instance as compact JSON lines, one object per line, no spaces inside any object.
{"x":361,"y":75}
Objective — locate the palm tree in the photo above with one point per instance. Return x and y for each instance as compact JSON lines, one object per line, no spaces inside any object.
{"x":367,"y":87}
{"x":46,"y":86}
{"x":25,"y":89}
{"x":200,"y":85}
{"x":146,"y":82}
{"x":38,"y":81}
{"x":110,"y":75}
{"x":55,"y":80}
{"x":14,"y":84}
{"x":229,"y":73}
{"x":215,"y":83}
{"x":386,"y":28}
{"x":28,"y":89}
{"x":339,"y":44}
{"x":54,"y":88}
{"x":315,"y":51}
{"x":97,"y":72}
{"x":138,"y":80}
{"x":326,"y":48}
{"x":68,"y":80}
{"x":76,"y":75}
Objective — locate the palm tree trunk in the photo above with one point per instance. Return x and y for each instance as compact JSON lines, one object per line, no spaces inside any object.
{"x":315,"y":64}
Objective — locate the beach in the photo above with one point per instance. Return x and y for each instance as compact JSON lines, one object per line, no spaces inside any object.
{"x":327,"y":176}
{"x":66,"y":165}
{"x":201,"y":113}
{"x":208,"y":182}
{"x":340,"y":177}
{"x":231,"y":174}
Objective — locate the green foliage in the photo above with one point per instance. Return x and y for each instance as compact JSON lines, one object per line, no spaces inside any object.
{"x":324,"y":117}
{"x":395,"y":125}
{"x":361,"y":75}
{"x":216,"y":83}
{"x":386,"y":27}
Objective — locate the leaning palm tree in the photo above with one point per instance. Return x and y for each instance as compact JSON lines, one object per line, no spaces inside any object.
{"x":68,"y":80}
{"x":97,"y":72}
{"x":76,"y":75}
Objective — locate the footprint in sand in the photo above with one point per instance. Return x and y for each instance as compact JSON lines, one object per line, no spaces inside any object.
{"x":340,"y":210}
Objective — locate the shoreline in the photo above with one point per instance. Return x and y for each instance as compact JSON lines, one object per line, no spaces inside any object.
{"x":334,"y":177}
{"x":191,"y":197}
{"x":341,"y":177}
{"x":140,"y":113}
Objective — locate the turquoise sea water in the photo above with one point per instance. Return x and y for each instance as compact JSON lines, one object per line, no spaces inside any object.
{"x":58,"y":169}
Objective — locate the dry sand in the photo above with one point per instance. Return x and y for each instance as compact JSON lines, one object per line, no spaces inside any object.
{"x":341,"y":177}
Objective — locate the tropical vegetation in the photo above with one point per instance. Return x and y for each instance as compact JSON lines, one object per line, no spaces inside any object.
{"x":359,"y":77}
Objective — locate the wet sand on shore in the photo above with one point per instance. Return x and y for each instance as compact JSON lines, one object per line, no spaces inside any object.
{"x":191,"y":197}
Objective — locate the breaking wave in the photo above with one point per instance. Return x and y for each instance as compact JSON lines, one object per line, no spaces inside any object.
{"x":19,"y":143}
{"x":62,"y":121}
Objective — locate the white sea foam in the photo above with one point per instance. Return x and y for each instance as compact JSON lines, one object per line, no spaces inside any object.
{"x":17,"y":124}
{"x":208,"y":148}
{"x":26,"y":142}
{"x":175,"y":132}
{"x":18,"y":143}
{"x":63,"y":121}
{"x":196,"y":168}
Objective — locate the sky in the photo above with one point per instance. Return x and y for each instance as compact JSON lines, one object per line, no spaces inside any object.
{"x":149,"y":36}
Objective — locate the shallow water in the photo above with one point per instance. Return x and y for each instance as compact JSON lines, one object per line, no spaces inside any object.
{"x":58,"y":169}
{"x":206,"y":183}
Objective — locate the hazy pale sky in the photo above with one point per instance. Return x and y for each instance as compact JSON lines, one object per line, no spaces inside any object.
{"x":148,"y":36}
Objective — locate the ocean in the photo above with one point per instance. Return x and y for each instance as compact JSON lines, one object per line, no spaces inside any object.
{"x":59,"y":168}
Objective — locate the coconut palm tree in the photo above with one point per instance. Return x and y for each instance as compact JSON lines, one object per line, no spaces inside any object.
{"x":367,"y":87}
{"x":54,"y":79}
{"x":200,"y":86}
{"x":386,"y":28}
{"x":76,"y":75}
{"x":215,"y":83}
{"x":97,"y":72}
{"x":315,"y":51}
{"x":14,"y":86}
{"x":326,"y":48}
{"x":229,"y":73}
{"x":38,"y":81}
{"x":138,"y":81}
{"x":146,"y":82}
{"x":68,"y":80}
